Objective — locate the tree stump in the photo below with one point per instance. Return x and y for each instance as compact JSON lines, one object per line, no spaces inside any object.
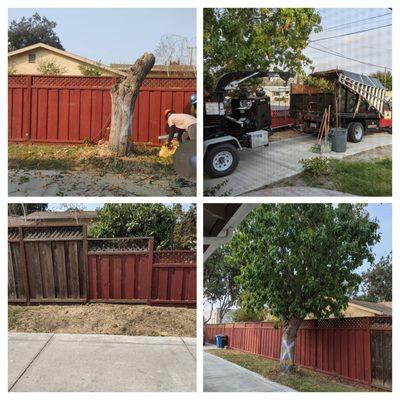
{"x":123,"y":98}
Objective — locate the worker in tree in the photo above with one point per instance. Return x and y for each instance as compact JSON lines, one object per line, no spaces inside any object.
{"x":183,"y":124}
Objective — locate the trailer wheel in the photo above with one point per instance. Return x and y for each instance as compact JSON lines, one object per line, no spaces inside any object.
{"x":221,"y":160}
{"x":355,"y":132}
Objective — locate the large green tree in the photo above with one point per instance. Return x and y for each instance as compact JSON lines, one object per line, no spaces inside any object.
{"x":142,"y":220}
{"x":300,"y":259}
{"x":136,"y":220}
{"x":256,"y":38}
{"x":32,"y":30}
{"x":219,"y":285}
{"x":377,"y":281}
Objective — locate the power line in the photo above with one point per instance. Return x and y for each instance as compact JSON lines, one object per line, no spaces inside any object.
{"x":350,"y":33}
{"x":332,"y":28}
{"x":333,"y":53}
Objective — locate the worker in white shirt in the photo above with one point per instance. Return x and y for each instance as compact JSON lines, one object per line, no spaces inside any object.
{"x":184,"y":124}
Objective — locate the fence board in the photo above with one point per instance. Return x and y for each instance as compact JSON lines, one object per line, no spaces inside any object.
{"x":70,"y":109}
{"x":347,"y":348}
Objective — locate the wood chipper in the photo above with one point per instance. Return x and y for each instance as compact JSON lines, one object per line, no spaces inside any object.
{"x":357,"y":103}
{"x":235,"y":119}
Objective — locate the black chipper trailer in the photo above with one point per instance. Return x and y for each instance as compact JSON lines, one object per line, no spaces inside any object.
{"x":235,"y":119}
{"x":357,"y":103}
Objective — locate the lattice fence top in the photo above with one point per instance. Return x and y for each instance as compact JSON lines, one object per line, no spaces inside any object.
{"x":168,"y":83}
{"x":53,"y":233}
{"x":118,"y":245}
{"x":345,"y":323}
{"x":175,"y":257}
{"x":95,"y":82}
{"x":13,"y":234}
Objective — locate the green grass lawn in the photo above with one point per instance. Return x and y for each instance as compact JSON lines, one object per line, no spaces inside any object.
{"x":361,"y":178}
{"x":303,"y":380}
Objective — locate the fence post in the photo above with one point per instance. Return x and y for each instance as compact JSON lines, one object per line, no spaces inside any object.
{"x":86,"y":260}
{"x":367,"y":352}
{"x":24,"y":265}
{"x":150,"y":270}
{"x":27,"y":115}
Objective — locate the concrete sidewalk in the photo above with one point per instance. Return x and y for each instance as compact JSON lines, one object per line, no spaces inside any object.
{"x":263,"y":166}
{"x":100,"y":363}
{"x":223,"y":376}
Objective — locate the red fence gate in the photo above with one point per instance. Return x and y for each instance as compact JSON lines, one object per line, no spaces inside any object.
{"x":59,"y":264}
{"x":340,"y":347}
{"x":72,"y":109}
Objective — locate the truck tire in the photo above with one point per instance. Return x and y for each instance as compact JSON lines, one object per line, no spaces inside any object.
{"x":221,"y":160}
{"x":355,"y":132}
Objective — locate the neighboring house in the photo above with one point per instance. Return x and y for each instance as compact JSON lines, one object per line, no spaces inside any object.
{"x":27,"y":60}
{"x":163,"y":71}
{"x":358,"y":308}
{"x":279,"y":95}
{"x":42,"y":218}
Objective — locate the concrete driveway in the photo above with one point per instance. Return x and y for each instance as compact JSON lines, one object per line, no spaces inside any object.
{"x":40,"y":362}
{"x":223,"y":376}
{"x":263,"y":166}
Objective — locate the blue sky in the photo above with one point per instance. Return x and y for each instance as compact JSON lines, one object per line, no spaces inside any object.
{"x":114,"y":35}
{"x":373,"y":47}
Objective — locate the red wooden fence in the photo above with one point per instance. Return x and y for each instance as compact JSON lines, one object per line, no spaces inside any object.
{"x":340,"y":347}
{"x":59,"y":264}
{"x":71,"y":109}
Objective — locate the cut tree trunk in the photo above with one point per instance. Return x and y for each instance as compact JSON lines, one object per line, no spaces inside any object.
{"x":289,"y":335}
{"x":123,"y":97}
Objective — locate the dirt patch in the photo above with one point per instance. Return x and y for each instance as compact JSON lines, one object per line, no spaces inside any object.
{"x":379,"y":153}
{"x":131,"y":320}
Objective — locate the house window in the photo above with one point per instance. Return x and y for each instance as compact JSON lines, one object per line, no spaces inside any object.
{"x":32,"y":58}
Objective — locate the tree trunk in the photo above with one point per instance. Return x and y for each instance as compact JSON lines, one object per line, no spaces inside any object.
{"x":123,"y":97}
{"x":289,"y":334}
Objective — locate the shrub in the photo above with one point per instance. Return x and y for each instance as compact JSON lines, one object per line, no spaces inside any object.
{"x":91,"y":70}
{"x":316,"y":166}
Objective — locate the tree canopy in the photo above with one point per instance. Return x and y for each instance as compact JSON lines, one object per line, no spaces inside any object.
{"x":301,"y":259}
{"x":32,"y":30}
{"x":256,"y":38}
{"x":219,"y":285}
{"x":377,"y":281}
{"x":142,"y":220}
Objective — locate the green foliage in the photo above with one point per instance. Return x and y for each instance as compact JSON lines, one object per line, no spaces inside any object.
{"x":300,"y":259}
{"x":244,"y":315}
{"x":320,"y":83}
{"x":256,"y":38}
{"x":385,"y":78}
{"x":377,"y":281}
{"x":35,"y":29}
{"x":91,"y":70}
{"x":184,"y":234}
{"x":142,"y":220}
{"x":219,"y":284}
{"x":50,"y":67}
{"x":315,"y":166}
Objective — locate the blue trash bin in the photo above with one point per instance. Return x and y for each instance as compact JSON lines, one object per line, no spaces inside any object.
{"x":221,"y":341}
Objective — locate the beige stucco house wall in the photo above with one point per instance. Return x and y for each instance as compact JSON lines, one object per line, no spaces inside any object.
{"x":26,"y":61}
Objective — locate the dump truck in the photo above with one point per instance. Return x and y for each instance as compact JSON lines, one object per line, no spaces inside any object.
{"x":358,"y":103}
